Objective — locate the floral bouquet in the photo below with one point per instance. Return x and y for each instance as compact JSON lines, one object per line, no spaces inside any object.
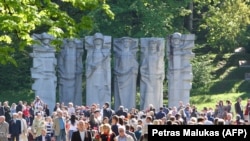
{"x":96,"y":137}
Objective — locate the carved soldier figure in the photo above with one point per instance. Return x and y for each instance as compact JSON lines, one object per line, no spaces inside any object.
{"x":179,"y":50}
{"x":125,"y":71}
{"x":152,"y":72}
{"x":98,"y":69}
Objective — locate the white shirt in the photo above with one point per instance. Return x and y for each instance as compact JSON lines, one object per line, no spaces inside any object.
{"x":82,"y":134}
{"x":43,"y":138}
{"x":73,"y":127}
{"x":71,"y":110}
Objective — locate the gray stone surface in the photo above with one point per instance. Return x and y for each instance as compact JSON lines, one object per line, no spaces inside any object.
{"x":43,"y":69}
{"x":179,"y":74}
{"x":152,"y":72}
{"x":70,"y":69}
{"x":98,"y":69}
{"x":125,"y":71}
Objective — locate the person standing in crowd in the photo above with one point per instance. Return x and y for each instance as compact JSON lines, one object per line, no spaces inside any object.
{"x":71,"y":108}
{"x":24,"y":128}
{"x":46,"y":110}
{"x":138,"y":132}
{"x":160,"y":114}
{"x":40,"y":110}
{"x":32,"y":113}
{"x":107,"y":134}
{"x":122,"y":136}
{"x":72,"y":126}
{"x":44,"y":136}
{"x":228,"y":106}
{"x":148,"y":121}
{"x":59,"y":126}
{"x":7,"y":111}
{"x":49,"y":126}
{"x":121,"y":112}
{"x":94,"y":120}
{"x":26,"y":114}
{"x":114,"y":124}
{"x":19,"y":107}
{"x":4,"y":129}
{"x":107,"y":112}
{"x":2,"y":112}
{"x":38,"y":125}
{"x":57,"y":107}
{"x":38,"y":103}
{"x":81,"y":134}
{"x":129,"y":132}
{"x":13,"y":109}
{"x":247,"y":111}
{"x":239,"y":108}
{"x":15,"y":128}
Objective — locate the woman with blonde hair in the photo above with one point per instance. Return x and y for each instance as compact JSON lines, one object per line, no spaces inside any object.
{"x":107,"y":134}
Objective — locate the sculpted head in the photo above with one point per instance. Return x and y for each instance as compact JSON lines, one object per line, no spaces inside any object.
{"x":126,"y":42}
{"x":153,"y":45}
{"x":46,"y":38}
{"x":98,"y":40}
{"x":176,"y":39}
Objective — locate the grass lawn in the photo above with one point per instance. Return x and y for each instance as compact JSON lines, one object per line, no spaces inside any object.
{"x":210,"y":100}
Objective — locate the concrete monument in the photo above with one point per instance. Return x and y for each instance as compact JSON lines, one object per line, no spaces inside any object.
{"x":70,"y":71}
{"x":43,"y":70}
{"x":179,"y":75}
{"x":98,"y":69}
{"x":125,"y":71}
{"x":152,"y":72}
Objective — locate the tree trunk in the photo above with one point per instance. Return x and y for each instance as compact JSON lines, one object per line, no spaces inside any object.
{"x":190,"y":18}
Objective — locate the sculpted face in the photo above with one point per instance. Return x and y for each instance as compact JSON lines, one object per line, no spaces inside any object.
{"x":127,"y":43}
{"x":176,"y":40}
{"x":98,"y":43}
{"x":153,"y":46}
{"x":46,"y":41}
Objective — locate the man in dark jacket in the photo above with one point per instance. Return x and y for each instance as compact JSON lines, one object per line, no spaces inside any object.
{"x":238,"y":108}
{"x":15,"y":128}
{"x":44,"y":136}
{"x":107,"y":112}
{"x":82,"y":134}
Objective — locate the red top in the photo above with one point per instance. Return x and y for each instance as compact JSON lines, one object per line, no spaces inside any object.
{"x":247,"y":109}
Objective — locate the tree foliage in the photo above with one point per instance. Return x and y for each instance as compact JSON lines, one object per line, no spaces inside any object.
{"x":143,"y":18}
{"x":226,"y":22}
{"x":20,"y":18}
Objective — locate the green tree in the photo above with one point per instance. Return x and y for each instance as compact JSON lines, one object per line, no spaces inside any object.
{"x":143,"y":18}
{"x":224,"y":22}
{"x":20,"y":18}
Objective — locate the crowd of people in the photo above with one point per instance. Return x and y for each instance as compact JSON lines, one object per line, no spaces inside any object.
{"x":35,"y":122}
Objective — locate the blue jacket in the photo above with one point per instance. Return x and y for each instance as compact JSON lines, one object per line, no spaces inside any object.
{"x":15,"y":127}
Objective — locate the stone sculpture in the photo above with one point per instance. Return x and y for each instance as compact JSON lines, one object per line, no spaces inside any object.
{"x":70,"y":71}
{"x":179,"y":50}
{"x":43,"y":70}
{"x":125,"y":71}
{"x":152,"y":72}
{"x":98,"y":69}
